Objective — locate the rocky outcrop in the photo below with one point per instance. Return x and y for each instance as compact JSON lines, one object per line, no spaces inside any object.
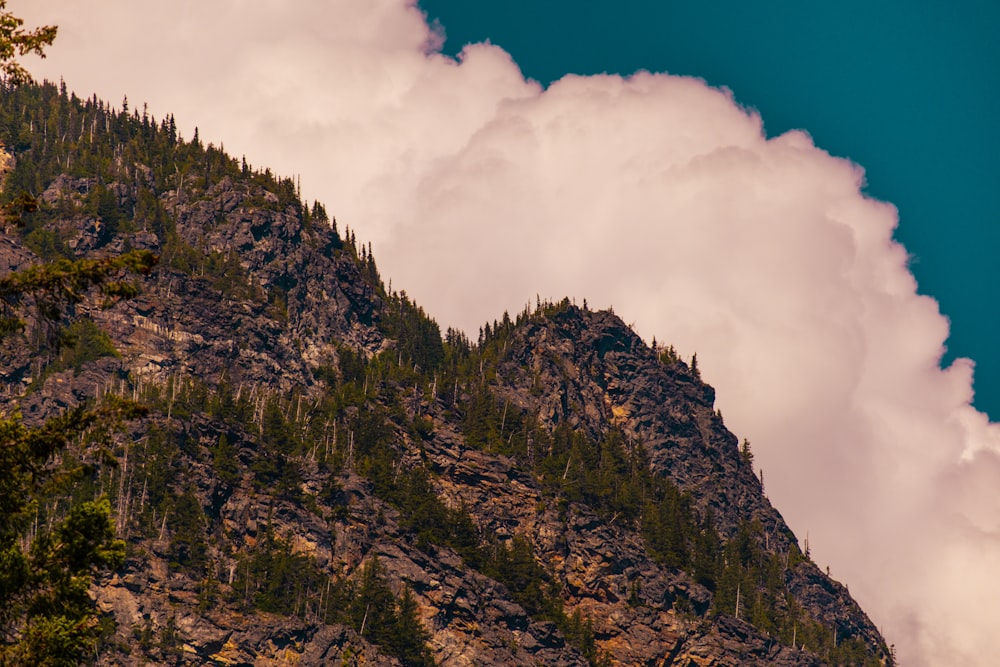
{"x":168,"y":626}
{"x":596,"y":373}
{"x":237,"y":342}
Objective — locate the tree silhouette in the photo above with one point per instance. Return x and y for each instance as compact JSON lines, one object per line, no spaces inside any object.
{"x":15,"y":41}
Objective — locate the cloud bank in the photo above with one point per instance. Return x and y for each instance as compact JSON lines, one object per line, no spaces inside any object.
{"x":655,"y":194}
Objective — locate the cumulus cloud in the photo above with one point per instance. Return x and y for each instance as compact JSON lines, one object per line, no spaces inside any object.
{"x":655,"y":194}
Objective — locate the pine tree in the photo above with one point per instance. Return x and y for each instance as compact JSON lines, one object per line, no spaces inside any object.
{"x":407,"y":638}
{"x":15,"y":41}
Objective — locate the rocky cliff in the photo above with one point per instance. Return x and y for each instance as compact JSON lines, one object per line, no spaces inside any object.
{"x":323,"y":479}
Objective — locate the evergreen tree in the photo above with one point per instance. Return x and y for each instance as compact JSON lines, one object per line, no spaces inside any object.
{"x":188,"y":549}
{"x":408,"y":639}
{"x":15,"y":41}
{"x":391,"y":622}
{"x":46,"y":614}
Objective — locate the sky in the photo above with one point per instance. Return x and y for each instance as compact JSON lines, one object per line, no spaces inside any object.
{"x":738,"y":209}
{"x":908,"y":89}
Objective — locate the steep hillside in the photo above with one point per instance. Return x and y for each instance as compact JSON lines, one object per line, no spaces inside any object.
{"x":322,"y":477}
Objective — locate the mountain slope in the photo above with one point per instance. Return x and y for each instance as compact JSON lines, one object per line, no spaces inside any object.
{"x":322,"y":477}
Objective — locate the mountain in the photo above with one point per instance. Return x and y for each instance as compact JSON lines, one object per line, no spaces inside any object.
{"x":323,"y":478}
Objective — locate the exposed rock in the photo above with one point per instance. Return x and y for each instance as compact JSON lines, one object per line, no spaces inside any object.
{"x":271,"y":324}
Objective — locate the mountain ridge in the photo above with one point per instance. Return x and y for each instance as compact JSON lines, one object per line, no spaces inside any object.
{"x":556,"y":492}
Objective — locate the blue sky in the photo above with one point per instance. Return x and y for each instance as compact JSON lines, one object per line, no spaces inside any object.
{"x":908,"y":90}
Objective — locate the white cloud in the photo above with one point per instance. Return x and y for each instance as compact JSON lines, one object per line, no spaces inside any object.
{"x":656,"y":194}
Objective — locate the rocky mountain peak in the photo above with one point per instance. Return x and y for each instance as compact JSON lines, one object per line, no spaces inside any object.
{"x":322,"y":477}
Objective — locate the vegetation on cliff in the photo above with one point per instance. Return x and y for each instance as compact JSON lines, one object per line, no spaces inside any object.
{"x":315,"y":450}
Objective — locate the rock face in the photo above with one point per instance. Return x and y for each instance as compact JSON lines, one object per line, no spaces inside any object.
{"x":311,"y":440}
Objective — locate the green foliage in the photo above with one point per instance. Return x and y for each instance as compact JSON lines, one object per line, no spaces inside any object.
{"x":78,"y":344}
{"x":353,"y":365}
{"x":706,"y":560}
{"x":102,"y":203}
{"x":757,"y":574}
{"x":225,"y":463}
{"x":227,"y":274}
{"x":82,"y":342}
{"x":751,"y":584}
{"x":17,"y":206}
{"x":670,"y":529}
{"x":746,"y":453}
{"x":227,"y":404}
{"x":15,"y":41}
{"x":481,"y":420}
{"x":54,"y":286}
{"x":430,"y":520}
{"x":188,"y":548}
{"x":408,"y":638}
{"x":152,"y":477}
{"x":612,"y":477}
{"x":280,"y":441}
{"x":273,"y":577}
{"x":417,"y":336}
{"x":27,"y":456}
{"x":48,"y":616}
{"x":513,"y":564}
{"x":47,"y":244}
{"x":579,"y":632}
{"x":367,"y":421}
{"x":391,"y":622}
{"x":288,"y":196}
{"x":669,"y":356}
